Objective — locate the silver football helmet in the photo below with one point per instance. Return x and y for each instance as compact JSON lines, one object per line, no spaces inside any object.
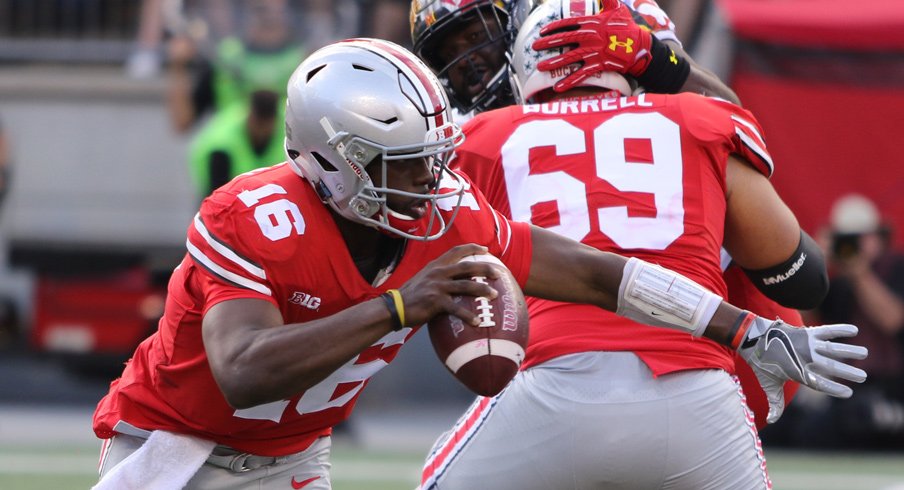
{"x":360,"y":101}
{"x":527,"y":80}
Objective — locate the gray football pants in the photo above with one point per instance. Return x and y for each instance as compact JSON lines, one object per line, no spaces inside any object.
{"x":599,"y":420}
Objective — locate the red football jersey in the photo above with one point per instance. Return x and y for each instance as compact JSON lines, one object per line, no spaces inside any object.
{"x":640,"y":176}
{"x":266,"y":235}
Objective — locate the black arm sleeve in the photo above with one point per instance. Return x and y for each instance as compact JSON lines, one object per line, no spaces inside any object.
{"x":800,"y":282}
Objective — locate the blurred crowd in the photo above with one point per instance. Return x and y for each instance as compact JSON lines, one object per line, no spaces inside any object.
{"x":866,"y":289}
{"x":226,"y":64}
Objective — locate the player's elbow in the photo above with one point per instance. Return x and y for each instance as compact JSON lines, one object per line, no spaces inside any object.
{"x":236,"y":396}
{"x":241,"y":389}
{"x":801,"y":282}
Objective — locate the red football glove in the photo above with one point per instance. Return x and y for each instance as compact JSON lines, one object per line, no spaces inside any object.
{"x":608,"y":41}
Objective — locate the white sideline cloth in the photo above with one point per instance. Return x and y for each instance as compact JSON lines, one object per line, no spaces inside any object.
{"x":166,"y":461}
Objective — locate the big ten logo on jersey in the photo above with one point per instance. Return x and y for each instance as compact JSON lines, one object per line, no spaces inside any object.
{"x":337,"y":389}
{"x":305,"y":299}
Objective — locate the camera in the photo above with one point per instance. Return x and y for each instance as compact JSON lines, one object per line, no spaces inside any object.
{"x":846,"y":245}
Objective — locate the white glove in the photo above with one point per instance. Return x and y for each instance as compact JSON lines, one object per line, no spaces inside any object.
{"x":778,"y":352}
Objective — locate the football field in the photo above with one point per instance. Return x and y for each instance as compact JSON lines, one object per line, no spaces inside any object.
{"x":355,"y":468}
{"x":54,"y":449}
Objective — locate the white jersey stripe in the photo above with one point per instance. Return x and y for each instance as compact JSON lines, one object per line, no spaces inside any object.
{"x":747,"y":124}
{"x":755,"y":148}
{"x":232,"y":277}
{"x":500,"y":232}
{"x":724,"y":259}
{"x":227,"y":252}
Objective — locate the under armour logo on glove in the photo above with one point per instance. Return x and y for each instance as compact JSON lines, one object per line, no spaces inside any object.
{"x":608,"y":41}
{"x":614,"y":44}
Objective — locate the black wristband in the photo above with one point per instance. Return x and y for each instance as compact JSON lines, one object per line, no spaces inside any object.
{"x":666,"y":72}
{"x":393,"y":312}
{"x":732,"y":339}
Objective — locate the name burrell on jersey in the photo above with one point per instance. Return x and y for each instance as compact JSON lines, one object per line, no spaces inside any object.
{"x":587,"y":105}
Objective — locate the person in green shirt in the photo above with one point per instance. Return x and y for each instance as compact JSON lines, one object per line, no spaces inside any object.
{"x":260,"y":55}
{"x":238,"y":139}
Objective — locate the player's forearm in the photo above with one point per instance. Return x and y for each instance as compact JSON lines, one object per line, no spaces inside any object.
{"x":178,"y":98}
{"x":569,"y":271}
{"x":661,"y":297}
{"x":256,"y":364}
{"x":702,"y":81}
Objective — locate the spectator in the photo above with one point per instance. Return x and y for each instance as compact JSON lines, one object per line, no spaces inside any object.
{"x":144,"y":61}
{"x":4,"y":166}
{"x":9,"y":317}
{"x":261,"y":57}
{"x":388,"y":19}
{"x":238,"y":139}
{"x":867,"y":288}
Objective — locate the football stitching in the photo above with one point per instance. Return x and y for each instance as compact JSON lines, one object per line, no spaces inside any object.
{"x":484,"y":306}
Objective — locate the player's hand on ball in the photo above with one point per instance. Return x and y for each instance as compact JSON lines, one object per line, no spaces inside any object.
{"x":485,"y":357}
{"x":431,"y":291}
{"x":778,"y":352}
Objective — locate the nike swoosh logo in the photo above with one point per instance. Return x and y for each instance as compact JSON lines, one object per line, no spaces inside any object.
{"x":748,"y":343}
{"x":301,"y":484}
{"x":785,"y":341}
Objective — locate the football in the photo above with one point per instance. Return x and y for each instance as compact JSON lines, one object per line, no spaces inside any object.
{"x":485,"y":357}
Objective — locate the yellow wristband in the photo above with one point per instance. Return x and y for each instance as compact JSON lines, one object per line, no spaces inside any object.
{"x":399,"y":304}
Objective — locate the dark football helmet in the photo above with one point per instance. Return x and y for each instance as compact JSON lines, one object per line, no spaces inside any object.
{"x":473,"y":68}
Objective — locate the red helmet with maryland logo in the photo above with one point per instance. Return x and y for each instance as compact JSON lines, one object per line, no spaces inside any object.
{"x":361,"y":102}
{"x":474,"y":75}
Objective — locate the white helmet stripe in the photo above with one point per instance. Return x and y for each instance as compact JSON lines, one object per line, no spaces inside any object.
{"x":580,"y":8}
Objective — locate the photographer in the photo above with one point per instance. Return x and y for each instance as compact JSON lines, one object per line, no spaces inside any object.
{"x":867,"y":288}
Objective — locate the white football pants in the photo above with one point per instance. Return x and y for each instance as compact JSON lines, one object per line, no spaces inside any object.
{"x":599,"y":420}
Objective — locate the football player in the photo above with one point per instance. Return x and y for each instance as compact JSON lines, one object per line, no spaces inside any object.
{"x":304,"y":279}
{"x":666,"y":178}
{"x":468,"y":45}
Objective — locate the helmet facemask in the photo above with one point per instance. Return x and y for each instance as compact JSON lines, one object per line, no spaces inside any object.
{"x":497,"y":37}
{"x":370,"y":204}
